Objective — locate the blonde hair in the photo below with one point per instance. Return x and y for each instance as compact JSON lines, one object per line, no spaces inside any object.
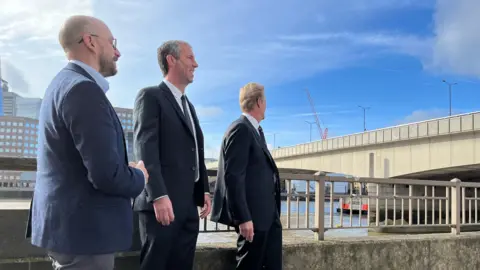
{"x":249,"y":95}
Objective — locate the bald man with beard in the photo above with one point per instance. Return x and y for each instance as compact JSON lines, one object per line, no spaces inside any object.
{"x":81,"y":209}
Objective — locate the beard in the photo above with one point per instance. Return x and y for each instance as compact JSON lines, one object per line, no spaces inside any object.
{"x":107,"y":65}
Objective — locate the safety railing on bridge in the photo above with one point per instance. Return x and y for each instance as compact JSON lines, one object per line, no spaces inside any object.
{"x":388,"y":204}
{"x":17,"y":185}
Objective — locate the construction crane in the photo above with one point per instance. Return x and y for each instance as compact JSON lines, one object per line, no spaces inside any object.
{"x":323,"y":135}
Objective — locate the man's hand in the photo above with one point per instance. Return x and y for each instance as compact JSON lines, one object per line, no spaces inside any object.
{"x":246,"y":230}
{"x":163,"y":211}
{"x":141,"y":167}
{"x":207,"y":207}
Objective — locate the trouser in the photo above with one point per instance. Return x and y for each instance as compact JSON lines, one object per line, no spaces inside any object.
{"x":264,"y":252}
{"x":169,"y":247}
{"x":82,"y":262}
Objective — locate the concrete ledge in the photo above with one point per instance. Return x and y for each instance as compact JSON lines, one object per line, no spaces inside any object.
{"x":12,"y":236}
{"x":401,"y":252}
{"x":433,"y":251}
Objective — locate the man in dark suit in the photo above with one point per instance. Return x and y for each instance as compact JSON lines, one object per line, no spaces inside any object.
{"x":81,"y":209}
{"x":168,"y":138}
{"x":247,"y":192}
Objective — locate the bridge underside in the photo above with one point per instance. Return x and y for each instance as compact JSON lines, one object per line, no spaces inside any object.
{"x":470,"y":173}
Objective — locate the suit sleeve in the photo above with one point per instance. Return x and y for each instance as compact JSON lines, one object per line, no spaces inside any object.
{"x":203,"y":169}
{"x":206,"y":186}
{"x":236,"y":153}
{"x":86,"y":113}
{"x":146,"y":142}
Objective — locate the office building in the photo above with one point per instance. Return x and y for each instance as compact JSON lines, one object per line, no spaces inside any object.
{"x":3,"y":89}
{"x":18,"y":138}
{"x":125,"y":116}
{"x":28,"y":107}
{"x":16,"y":105}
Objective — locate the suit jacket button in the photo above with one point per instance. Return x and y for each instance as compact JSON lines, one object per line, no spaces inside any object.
{"x":193,"y":168}
{"x":193,"y":149}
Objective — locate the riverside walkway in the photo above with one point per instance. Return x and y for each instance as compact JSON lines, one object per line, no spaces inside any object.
{"x":310,"y":235}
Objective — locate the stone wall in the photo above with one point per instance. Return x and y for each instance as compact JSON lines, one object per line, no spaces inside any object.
{"x":403,"y":252}
{"x":435,"y":251}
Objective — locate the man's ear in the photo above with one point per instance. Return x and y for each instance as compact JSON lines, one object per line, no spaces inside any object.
{"x":171,"y":60}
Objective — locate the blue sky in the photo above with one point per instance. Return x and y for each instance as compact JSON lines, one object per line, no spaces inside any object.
{"x":389,"y":55}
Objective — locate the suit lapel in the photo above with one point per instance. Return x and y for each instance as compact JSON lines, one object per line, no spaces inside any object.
{"x":175,"y":105}
{"x":78,"y":69}
{"x":196,"y":122}
{"x":259,"y":140}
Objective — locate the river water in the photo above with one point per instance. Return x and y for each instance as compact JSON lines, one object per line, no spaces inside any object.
{"x":230,"y":236}
{"x":356,"y":219}
{"x":208,"y":237}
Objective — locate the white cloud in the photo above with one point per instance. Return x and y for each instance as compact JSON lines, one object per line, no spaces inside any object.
{"x":28,"y":40}
{"x":38,"y":19}
{"x":457,"y":37}
{"x":239,"y":42}
{"x":234,"y":42}
{"x":208,"y":111}
{"x":427,"y":114}
{"x":323,"y":113}
{"x":421,"y":115}
{"x":269,"y":146}
{"x":15,"y":78}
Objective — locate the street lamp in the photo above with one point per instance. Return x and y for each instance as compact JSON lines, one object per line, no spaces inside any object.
{"x":364,"y":123}
{"x":310,"y":123}
{"x":450,"y":93}
{"x":273,"y":134}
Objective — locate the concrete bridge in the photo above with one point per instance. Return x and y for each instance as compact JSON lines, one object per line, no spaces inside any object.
{"x":441,"y":148}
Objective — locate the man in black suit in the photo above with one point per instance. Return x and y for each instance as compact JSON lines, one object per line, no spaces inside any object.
{"x":247,"y":192}
{"x":169,"y":140}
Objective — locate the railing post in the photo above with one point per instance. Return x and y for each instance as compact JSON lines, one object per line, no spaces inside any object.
{"x":319,"y":206}
{"x":288,"y":184}
{"x":456,"y":206}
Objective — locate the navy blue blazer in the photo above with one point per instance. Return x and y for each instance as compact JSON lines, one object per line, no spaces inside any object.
{"x":84,"y":186}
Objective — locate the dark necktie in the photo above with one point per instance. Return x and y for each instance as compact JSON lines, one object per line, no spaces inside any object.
{"x":260,"y":130}
{"x":186,"y":114}
{"x":189,"y":123}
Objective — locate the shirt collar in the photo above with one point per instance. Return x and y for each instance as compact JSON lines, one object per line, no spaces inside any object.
{"x":99,"y":79}
{"x":252,"y":120}
{"x":175,"y":91}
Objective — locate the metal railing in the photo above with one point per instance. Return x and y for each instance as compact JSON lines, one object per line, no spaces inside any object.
{"x":28,"y":185}
{"x":405,"y":205}
{"x":390,"y":203}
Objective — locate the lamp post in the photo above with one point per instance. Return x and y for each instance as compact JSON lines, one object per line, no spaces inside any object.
{"x":274,"y":138}
{"x":450,"y":94}
{"x":310,"y":123}
{"x":364,"y":122}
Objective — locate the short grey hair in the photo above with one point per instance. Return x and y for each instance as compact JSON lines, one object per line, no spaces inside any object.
{"x":249,"y":95}
{"x":171,"y":47}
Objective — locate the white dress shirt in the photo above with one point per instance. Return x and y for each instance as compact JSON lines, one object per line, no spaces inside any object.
{"x":253,"y":121}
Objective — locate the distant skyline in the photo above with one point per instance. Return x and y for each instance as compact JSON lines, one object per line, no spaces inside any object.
{"x":389,"y":55}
